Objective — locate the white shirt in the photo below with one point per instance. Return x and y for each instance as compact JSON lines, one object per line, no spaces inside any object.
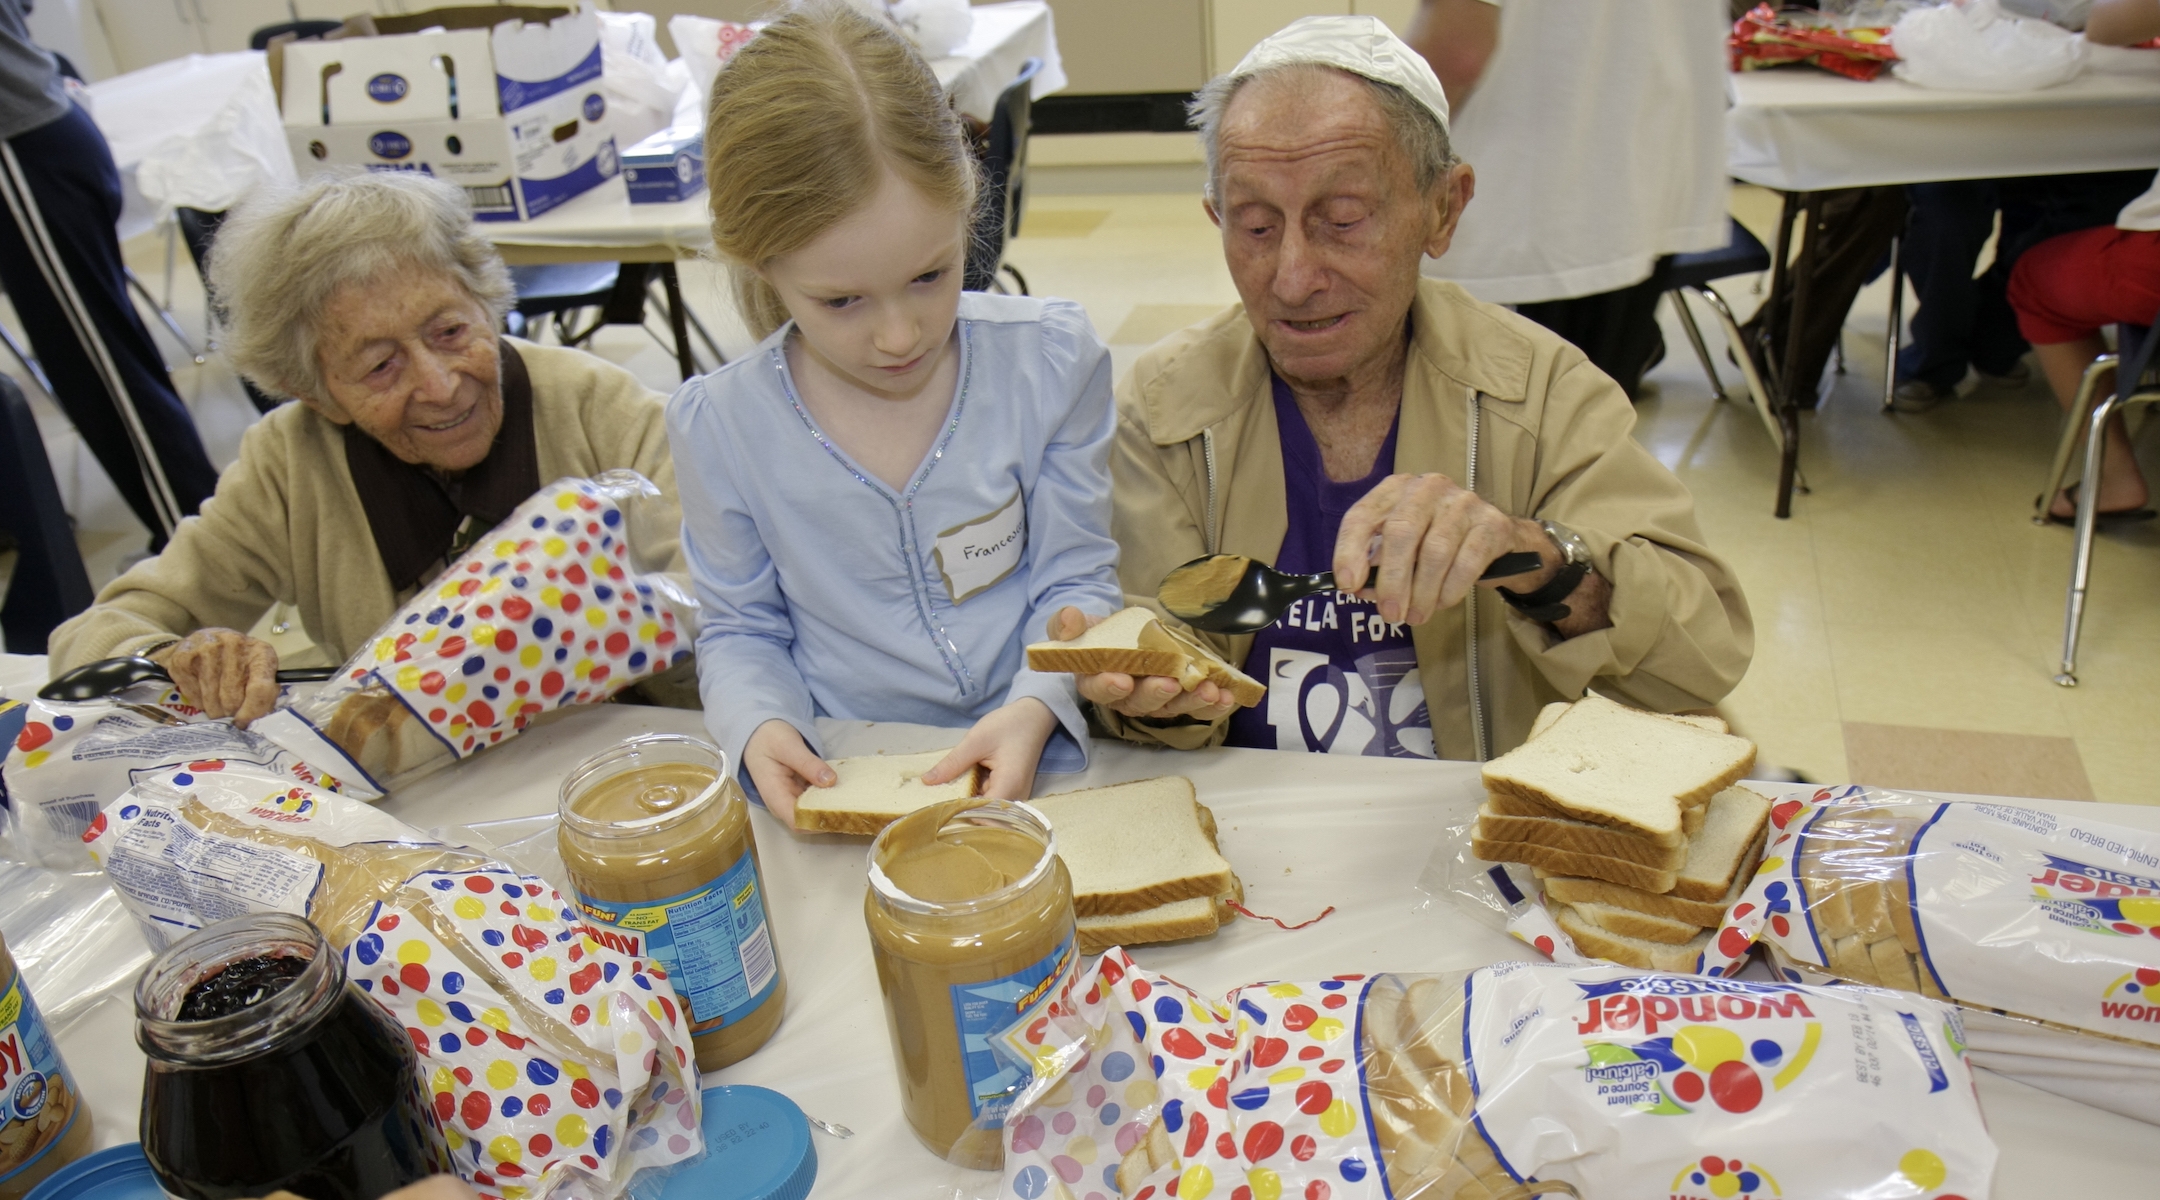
{"x":2144,"y":212}
{"x":1598,"y":135}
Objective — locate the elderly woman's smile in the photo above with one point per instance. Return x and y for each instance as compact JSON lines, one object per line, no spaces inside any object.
{"x":413,"y":361}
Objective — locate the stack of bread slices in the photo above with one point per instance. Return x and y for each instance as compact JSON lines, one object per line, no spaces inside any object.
{"x":1632,"y":824}
{"x":1143,"y":857}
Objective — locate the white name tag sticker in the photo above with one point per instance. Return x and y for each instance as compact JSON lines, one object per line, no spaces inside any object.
{"x":976,"y":555}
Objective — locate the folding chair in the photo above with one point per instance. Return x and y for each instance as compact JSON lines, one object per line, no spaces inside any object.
{"x":1692,"y":274}
{"x":1005,"y":178}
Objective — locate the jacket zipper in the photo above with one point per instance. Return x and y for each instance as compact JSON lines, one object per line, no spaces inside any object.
{"x":1207,"y":457}
{"x":1470,"y":619}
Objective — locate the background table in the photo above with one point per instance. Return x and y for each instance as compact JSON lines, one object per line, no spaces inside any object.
{"x":1366,"y":835}
{"x":1801,"y":131}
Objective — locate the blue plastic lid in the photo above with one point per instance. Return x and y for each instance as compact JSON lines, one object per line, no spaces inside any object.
{"x":114,"y":1173}
{"x":757,"y":1147}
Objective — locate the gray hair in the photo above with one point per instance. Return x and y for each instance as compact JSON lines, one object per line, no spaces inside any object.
{"x":281,"y":257}
{"x":1423,"y":139}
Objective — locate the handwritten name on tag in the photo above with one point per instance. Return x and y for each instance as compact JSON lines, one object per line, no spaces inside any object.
{"x":976,"y":555}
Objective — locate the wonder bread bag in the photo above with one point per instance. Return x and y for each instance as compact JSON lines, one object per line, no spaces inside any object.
{"x":1516,"y":1080}
{"x":557,"y":1066}
{"x":566,"y":602}
{"x":66,"y":761}
{"x":2046,"y":926}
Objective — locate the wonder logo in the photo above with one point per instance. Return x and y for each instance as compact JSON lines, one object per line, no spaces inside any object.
{"x":2116,"y":901}
{"x":291,"y":804}
{"x":1715,"y":1178}
{"x":2133,"y":997}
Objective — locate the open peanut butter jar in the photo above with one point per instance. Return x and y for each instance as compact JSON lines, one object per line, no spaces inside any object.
{"x":971,"y":925}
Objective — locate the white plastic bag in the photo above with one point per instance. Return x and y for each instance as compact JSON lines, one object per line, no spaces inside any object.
{"x":641,"y":92}
{"x":1972,"y":45}
{"x":706,"y":46}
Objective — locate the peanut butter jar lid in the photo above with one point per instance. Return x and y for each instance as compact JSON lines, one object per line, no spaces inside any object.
{"x":757,"y":1147}
{"x":115,"y":1173}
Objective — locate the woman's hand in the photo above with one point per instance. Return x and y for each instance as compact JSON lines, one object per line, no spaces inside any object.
{"x":782,"y":766}
{"x":223,"y":672}
{"x":1009,"y":741}
{"x":1152,"y":696}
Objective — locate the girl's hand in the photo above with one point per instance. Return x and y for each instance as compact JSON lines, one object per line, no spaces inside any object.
{"x":782,"y":766}
{"x":1009,"y":741}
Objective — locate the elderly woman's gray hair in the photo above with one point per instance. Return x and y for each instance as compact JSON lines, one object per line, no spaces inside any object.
{"x":1424,"y":142}
{"x":281,"y":257}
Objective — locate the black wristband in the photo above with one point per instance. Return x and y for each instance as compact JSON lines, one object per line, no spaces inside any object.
{"x":1545,"y":604}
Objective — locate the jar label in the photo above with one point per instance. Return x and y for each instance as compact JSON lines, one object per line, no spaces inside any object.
{"x":982,"y":1011}
{"x":713,"y":940}
{"x":38,"y":1101}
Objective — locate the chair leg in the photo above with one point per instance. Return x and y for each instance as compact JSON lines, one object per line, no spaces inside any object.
{"x":1694,"y":337}
{"x":172,"y":323}
{"x":1897,"y":318}
{"x":1757,"y":392}
{"x":1018,"y":278}
{"x":2065,"y":446}
{"x":2088,"y":516}
{"x":29,"y":363}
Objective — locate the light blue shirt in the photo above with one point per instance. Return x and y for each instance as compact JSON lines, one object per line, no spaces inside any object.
{"x":826,"y":592}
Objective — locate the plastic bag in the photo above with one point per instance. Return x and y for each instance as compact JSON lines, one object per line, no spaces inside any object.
{"x":641,"y":92}
{"x":1972,"y":45}
{"x":1515,"y":1080}
{"x":1767,"y":37}
{"x":2052,"y":920}
{"x":557,"y":1066}
{"x":68,"y":932}
{"x":563,"y":603}
{"x":706,"y":46}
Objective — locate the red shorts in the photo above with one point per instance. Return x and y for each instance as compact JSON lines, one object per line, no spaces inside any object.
{"x":2067,"y":287}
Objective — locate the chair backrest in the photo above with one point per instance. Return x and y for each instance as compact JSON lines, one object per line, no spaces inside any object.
{"x":1004,"y":176}
{"x":49,"y":584}
{"x":301,"y":31}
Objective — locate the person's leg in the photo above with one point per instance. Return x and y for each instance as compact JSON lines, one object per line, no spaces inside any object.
{"x":1950,"y":223}
{"x":2034,"y":210}
{"x":60,"y":263}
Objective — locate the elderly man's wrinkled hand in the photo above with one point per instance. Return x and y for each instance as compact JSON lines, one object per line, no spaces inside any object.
{"x":223,"y":672}
{"x":1436,"y":539}
{"x":1156,"y":697}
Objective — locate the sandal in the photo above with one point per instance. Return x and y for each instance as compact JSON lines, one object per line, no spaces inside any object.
{"x":2120,"y":516}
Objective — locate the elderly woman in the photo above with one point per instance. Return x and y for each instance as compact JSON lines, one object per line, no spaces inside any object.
{"x":373,"y":301}
{"x":1346,"y":402}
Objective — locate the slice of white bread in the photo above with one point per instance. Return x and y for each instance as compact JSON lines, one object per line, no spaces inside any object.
{"x":1175,"y":921}
{"x":1691,"y":819}
{"x":877,"y":789}
{"x":1607,"y":763}
{"x":1134,"y":641}
{"x":1562,"y":833}
{"x":1566,"y":889}
{"x":1133,"y":846}
{"x":1630,"y":951}
{"x":1552,"y":712}
{"x":1628,"y":923}
{"x":1569,"y":862}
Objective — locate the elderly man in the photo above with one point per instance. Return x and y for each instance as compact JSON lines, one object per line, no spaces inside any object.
{"x":373,"y":300}
{"x":1351,"y":415}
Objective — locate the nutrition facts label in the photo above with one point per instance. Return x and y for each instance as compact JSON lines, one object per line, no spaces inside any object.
{"x":714,"y":940}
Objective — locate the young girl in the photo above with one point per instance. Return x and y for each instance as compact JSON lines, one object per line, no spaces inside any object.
{"x":888,"y":499}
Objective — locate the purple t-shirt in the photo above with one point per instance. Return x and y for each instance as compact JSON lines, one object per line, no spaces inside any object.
{"x":1340,"y":679}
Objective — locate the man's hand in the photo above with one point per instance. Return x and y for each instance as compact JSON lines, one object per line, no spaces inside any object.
{"x":1436,"y":538}
{"x":1153,"y":696}
{"x":1009,"y":741}
{"x":782,"y":766}
{"x":223,"y":672}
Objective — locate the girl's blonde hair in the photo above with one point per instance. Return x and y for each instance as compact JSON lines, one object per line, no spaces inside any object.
{"x":804,"y":121}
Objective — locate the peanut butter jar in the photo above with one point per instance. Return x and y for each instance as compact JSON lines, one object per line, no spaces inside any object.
{"x":44,"y":1124}
{"x":971,"y":925}
{"x":656,"y":837}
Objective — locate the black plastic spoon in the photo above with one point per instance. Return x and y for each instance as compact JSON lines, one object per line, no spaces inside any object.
{"x":92,"y":681}
{"x":1229,"y":593}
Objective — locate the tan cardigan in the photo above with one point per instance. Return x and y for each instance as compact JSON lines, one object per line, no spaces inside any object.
{"x":286,"y":523}
{"x":1553,"y":441}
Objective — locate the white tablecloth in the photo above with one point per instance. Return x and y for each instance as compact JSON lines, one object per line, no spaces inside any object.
{"x":1802,"y":129}
{"x":1304,"y":831}
{"x":1004,"y":36}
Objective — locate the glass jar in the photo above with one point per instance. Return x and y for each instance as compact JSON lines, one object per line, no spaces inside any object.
{"x":971,"y":926}
{"x":267,"y":1071}
{"x":44,"y":1124}
{"x":656,"y":837}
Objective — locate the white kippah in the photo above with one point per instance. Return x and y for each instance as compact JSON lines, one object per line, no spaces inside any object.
{"x":1359,"y":45}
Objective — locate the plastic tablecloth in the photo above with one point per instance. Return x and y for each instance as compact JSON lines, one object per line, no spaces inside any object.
{"x":1304,"y":831}
{"x":1804,"y":130}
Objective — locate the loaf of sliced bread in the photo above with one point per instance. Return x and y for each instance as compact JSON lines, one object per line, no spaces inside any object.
{"x":1566,"y":834}
{"x":1134,"y":641}
{"x":1630,"y":951}
{"x":1567,"y":889}
{"x":1613,"y":765}
{"x":1628,"y":923}
{"x":1133,"y":846}
{"x":1508,"y":804}
{"x":874,"y":790}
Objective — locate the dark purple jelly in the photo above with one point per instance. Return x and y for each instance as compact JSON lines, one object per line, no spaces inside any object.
{"x":241,"y":985}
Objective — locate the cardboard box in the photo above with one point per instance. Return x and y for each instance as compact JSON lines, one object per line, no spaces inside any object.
{"x":503,"y":100}
{"x":666,"y":167}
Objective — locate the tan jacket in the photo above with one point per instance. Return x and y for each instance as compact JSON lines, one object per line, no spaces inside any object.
{"x":1492,"y":401}
{"x":286,"y":523}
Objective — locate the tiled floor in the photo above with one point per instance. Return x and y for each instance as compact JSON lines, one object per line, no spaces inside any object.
{"x":1908,"y":615}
